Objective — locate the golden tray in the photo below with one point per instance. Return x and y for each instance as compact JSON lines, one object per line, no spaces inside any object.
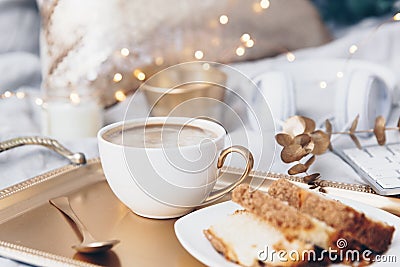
{"x":35,"y":232}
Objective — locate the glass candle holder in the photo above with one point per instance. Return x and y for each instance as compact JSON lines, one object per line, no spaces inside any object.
{"x":71,"y":116}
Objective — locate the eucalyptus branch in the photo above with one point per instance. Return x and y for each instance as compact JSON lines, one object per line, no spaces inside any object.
{"x":300,"y":139}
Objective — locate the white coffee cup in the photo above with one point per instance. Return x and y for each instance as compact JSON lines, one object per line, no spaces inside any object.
{"x":170,"y":180}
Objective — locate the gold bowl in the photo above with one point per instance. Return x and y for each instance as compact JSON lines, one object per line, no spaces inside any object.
{"x":188,"y":90}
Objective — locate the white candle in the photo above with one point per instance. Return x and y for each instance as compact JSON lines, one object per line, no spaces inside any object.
{"x":66,"y":120}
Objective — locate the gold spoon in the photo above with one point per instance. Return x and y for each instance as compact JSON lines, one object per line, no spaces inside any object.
{"x":89,"y":243}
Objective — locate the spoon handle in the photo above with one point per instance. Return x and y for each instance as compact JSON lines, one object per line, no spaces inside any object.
{"x":62,"y":204}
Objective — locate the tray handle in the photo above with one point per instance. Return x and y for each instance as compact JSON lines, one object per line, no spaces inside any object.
{"x":74,"y":158}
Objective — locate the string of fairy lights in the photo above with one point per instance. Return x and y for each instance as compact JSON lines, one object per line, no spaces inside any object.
{"x":245,"y":42}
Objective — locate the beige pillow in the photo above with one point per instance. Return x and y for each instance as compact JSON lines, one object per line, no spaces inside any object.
{"x":81,"y":41}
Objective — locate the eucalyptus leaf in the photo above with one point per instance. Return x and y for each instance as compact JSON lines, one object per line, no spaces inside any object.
{"x":298,"y":168}
{"x":302,"y":139}
{"x":294,"y":125}
{"x":309,"y":125}
{"x":398,"y":124}
{"x":293,"y":152}
{"x":283,"y":139}
{"x":356,"y":141}
{"x":354,"y":125}
{"x":379,"y":130}
{"x":321,"y":142}
{"x":309,"y":179}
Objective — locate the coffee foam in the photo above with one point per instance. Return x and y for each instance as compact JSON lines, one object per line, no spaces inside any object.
{"x":157,"y":135}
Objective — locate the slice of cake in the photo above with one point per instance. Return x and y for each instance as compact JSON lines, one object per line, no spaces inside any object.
{"x":373,"y":234}
{"x":292,"y":223}
{"x":248,"y":240}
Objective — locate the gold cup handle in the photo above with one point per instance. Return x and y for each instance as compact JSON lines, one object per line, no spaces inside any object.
{"x":249,"y":165}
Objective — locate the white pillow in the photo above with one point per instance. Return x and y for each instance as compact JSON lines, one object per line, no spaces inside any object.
{"x":81,"y":40}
